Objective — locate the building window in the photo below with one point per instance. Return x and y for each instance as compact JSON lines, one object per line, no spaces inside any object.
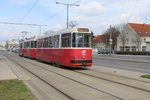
{"x":133,"y":48}
{"x":144,"y":39}
{"x":127,"y":40}
{"x":143,"y":48}
{"x":121,"y":48}
{"x":127,"y":48}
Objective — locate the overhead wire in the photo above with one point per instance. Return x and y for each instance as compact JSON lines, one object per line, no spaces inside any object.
{"x":77,"y":1}
{"x":58,"y":12}
{"x":52,"y":16}
{"x":29,"y":11}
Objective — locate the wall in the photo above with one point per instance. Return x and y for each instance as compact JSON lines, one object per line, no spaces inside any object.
{"x":148,"y":46}
{"x":130,"y":36}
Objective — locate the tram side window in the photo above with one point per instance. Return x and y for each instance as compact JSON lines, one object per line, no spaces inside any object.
{"x":33,"y":44}
{"x":45,"y":45}
{"x":27,"y":44}
{"x":56,"y":41}
{"x":24,"y":44}
{"x":66,"y":40}
{"x":40,"y":43}
{"x":21,"y":45}
{"x":50,"y":44}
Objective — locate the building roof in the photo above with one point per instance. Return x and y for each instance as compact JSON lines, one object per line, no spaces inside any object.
{"x":142,"y":29}
{"x":98,"y":38}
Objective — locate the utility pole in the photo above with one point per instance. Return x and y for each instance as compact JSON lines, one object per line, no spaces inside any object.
{"x":110,"y":40}
{"x":68,"y":5}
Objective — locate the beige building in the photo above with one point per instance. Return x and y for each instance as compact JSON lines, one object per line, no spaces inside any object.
{"x":148,"y":46}
{"x":99,"y":43}
{"x":133,"y":37}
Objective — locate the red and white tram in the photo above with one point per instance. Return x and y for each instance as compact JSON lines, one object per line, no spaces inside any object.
{"x":28,"y":48}
{"x":69,"y":47}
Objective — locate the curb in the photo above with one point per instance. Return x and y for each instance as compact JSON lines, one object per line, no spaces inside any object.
{"x":117,"y":59}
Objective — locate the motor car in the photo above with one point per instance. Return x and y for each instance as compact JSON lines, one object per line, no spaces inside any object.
{"x":15,"y":50}
{"x":104,"y":52}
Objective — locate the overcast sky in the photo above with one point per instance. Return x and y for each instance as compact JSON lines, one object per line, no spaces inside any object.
{"x":94,"y":14}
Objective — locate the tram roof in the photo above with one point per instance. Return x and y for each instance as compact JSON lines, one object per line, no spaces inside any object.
{"x":29,"y":39}
{"x":70,"y":30}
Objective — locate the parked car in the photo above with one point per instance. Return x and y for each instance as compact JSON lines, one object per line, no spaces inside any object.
{"x":15,"y":50}
{"x":104,"y":52}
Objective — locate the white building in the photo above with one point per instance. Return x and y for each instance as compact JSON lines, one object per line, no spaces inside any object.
{"x":134,"y":37}
{"x":148,"y":46}
{"x":98,"y":42}
{"x":13,"y":44}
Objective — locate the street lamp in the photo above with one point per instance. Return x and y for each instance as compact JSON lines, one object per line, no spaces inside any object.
{"x":66,"y":4}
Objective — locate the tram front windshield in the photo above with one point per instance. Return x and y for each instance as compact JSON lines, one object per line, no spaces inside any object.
{"x":81,"y":40}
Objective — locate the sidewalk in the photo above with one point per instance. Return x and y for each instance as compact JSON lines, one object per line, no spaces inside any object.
{"x":5,"y":71}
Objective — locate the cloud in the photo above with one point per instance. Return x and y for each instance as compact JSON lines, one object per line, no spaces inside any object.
{"x":94,"y":14}
{"x":91,"y":9}
{"x":19,"y":2}
{"x":124,"y":16}
{"x":7,"y":34}
{"x":57,"y":26}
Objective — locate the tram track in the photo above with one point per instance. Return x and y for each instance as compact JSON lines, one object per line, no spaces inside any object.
{"x":107,"y":79}
{"x":117,"y":97}
{"x":139,"y":88}
{"x":70,"y":98}
{"x":121,"y":76}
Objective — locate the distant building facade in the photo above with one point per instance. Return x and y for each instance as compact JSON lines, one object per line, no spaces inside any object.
{"x":99,"y":43}
{"x":13,"y":44}
{"x":148,"y":46}
{"x":134,"y":37}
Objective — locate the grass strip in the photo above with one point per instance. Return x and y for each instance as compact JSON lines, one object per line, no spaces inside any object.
{"x":14,"y":90}
{"x":146,"y":76}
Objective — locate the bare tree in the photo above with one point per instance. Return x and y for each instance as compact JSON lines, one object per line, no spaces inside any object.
{"x":114,"y":32}
{"x":7,"y":44}
{"x":123,"y":35}
{"x":138,"y":42}
{"x":73,"y":24}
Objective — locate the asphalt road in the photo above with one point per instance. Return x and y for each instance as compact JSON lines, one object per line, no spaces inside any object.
{"x":103,"y":60}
